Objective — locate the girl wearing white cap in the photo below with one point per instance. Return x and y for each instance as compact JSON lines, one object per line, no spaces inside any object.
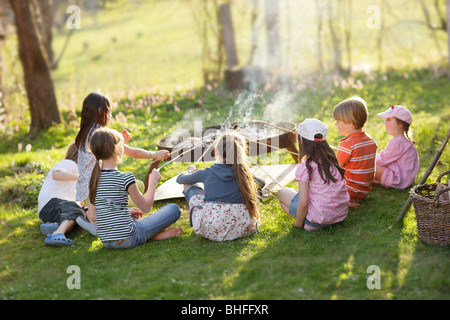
{"x":398,"y":163}
{"x":322,"y":198}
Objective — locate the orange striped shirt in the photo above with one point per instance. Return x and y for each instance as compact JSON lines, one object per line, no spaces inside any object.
{"x":357,"y":153}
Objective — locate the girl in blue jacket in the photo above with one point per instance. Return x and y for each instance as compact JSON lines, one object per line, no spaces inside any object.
{"x":227,"y":207}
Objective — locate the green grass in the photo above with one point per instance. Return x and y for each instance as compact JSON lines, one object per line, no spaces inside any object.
{"x":143,"y":65}
{"x":281,"y":262}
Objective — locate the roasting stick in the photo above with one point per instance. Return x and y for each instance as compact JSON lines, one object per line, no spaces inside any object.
{"x":272,"y":125}
{"x":204,"y":153}
{"x":281,"y":128}
{"x":189,"y":150}
{"x":181,"y":154}
{"x":256,"y":164}
{"x":268,"y":145}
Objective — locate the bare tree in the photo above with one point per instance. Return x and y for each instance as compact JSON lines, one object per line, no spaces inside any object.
{"x":319,"y":11}
{"x":273,"y":34}
{"x":348,"y":32}
{"x":205,"y":14}
{"x":44,"y":18}
{"x":37,"y":75}
{"x":335,"y":38}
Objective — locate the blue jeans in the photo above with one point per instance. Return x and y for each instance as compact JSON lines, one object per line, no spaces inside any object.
{"x":190,"y":191}
{"x":148,"y":227}
{"x":293,"y":212}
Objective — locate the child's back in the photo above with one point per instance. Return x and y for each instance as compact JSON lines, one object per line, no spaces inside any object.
{"x":328,"y":202}
{"x":398,"y":163}
{"x":357,"y":153}
{"x":227,"y":208}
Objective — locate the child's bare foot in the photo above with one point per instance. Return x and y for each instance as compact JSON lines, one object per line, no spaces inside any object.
{"x":168,"y":233}
{"x":354,"y":204}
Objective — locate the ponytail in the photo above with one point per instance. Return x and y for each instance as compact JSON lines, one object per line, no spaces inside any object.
{"x":103,"y":145}
{"x":93,"y":182}
{"x":406,"y":126}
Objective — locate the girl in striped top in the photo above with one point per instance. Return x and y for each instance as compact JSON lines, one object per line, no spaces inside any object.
{"x":108,"y":191}
{"x":357,"y":151}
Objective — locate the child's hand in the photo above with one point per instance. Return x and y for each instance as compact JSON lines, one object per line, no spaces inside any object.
{"x":298,"y":224}
{"x":161,"y":155}
{"x":192,"y":168}
{"x":126,"y":136}
{"x":155,"y":176}
{"x":136,"y":213}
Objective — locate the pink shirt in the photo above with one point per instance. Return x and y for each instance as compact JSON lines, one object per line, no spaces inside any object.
{"x":401,"y":162}
{"x":327,"y":203}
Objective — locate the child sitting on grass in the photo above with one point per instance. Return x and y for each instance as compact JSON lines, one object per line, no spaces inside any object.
{"x":322,"y":198}
{"x":398,"y":163}
{"x":228,"y":207}
{"x":357,"y":151}
{"x":96,"y":113}
{"x":57,"y":207}
{"x":108,"y":193}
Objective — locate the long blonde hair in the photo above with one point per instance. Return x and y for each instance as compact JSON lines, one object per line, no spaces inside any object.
{"x":103,"y":145}
{"x":234,"y":150}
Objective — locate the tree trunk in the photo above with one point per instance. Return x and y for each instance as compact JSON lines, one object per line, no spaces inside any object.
{"x":273,"y":34}
{"x":46,"y":14}
{"x":319,"y":9}
{"x":335,"y":40}
{"x":38,"y":80}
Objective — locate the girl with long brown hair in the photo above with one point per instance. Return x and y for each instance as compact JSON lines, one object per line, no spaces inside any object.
{"x":228,"y":207}
{"x":108,"y":192}
{"x":96,"y":113}
{"x":322,"y":197}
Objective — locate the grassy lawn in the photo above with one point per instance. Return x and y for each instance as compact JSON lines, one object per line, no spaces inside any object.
{"x":281,"y":262}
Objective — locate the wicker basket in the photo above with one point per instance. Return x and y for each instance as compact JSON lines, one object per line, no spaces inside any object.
{"x":432,"y":215}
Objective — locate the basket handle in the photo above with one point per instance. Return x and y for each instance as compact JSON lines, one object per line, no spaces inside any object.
{"x":441,"y":175}
{"x":438,"y":193}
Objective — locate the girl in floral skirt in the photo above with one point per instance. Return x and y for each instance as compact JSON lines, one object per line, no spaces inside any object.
{"x":227,"y":207}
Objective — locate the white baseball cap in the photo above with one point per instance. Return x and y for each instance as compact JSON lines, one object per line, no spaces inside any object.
{"x":310,"y":127}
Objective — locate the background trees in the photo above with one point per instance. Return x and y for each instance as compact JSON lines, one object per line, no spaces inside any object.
{"x":34,"y":37}
{"x":275,"y":36}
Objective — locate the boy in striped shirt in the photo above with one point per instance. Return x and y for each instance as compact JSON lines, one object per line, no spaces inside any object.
{"x":356,"y":153}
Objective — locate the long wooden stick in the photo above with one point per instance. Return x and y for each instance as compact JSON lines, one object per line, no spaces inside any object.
{"x":274,"y":180}
{"x":426,"y":175}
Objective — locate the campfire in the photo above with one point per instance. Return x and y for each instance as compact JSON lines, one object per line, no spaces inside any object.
{"x":197,"y":145}
{"x":262,"y":137}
